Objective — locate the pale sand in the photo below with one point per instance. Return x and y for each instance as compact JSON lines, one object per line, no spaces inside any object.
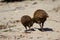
{"x":14,"y":11}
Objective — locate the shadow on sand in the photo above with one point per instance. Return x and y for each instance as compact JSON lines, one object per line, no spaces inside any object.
{"x":29,"y":31}
{"x":45,"y":29}
{"x":12,"y":1}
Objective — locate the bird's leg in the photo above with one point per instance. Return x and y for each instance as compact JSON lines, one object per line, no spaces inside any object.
{"x":26,"y":28}
{"x":29,"y":27}
{"x":42,"y":26}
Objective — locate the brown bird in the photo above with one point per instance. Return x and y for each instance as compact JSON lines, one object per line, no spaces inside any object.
{"x":26,"y":21}
{"x":40,"y":16}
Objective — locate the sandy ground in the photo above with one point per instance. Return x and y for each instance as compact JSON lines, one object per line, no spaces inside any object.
{"x":11,"y":13}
